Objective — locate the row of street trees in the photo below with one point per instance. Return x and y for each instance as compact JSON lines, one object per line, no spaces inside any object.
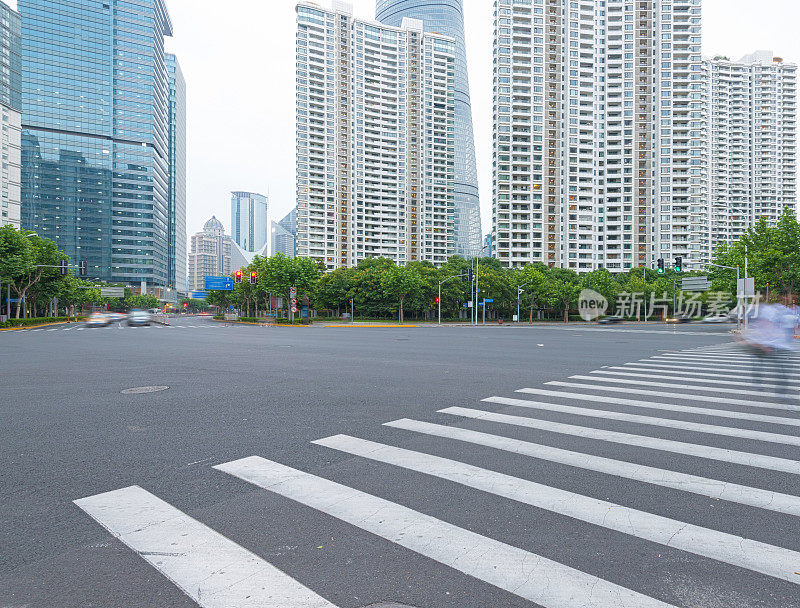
{"x":29,"y":265}
{"x":378,"y":288}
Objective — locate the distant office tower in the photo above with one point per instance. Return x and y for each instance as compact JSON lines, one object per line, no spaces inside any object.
{"x":10,"y":106}
{"x":752,"y":142}
{"x":597,"y":161}
{"x":177,"y":259}
{"x":375,"y":142}
{"x":284,"y":235}
{"x":210,"y":254}
{"x":249,"y":220}
{"x":447,"y":17}
{"x":95,"y":140}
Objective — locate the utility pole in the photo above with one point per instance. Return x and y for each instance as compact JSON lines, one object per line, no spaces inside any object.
{"x":519,"y":293}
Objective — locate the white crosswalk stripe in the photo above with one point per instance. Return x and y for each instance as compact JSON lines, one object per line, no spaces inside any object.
{"x":713,"y":488}
{"x":214,"y":571}
{"x":525,"y":574}
{"x":674,"y":407}
{"x":673,"y":364}
{"x":631,"y":372}
{"x":636,"y":391}
{"x":680,"y":370}
{"x":697,"y":427}
{"x":735,"y":550}
{"x":772,"y":463}
{"x":715,"y":389}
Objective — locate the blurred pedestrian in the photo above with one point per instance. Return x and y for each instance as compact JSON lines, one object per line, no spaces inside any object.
{"x":770,"y":338}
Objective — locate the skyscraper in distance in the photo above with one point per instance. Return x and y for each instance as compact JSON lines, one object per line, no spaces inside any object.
{"x":284,"y":235}
{"x":249,"y":226}
{"x":447,"y":17}
{"x":177,"y":175}
{"x":95,"y":139}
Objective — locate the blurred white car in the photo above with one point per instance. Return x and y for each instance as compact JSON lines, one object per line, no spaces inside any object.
{"x":717,"y":319}
{"x":98,"y":319}
{"x":139,"y":318}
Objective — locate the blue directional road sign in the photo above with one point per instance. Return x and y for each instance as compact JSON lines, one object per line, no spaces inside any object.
{"x":488,"y":300}
{"x":219,"y":283}
{"x":198,"y":295}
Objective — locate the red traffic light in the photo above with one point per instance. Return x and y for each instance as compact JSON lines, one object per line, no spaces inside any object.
{"x":238,"y":276}
{"x":437,"y":300}
{"x":253,"y":276}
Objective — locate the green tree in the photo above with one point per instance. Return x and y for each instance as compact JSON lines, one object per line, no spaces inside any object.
{"x":401,"y":283}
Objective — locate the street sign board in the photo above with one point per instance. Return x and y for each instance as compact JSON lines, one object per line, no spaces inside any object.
{"x":294,"y":309}
{"x":293,"y":302}
{"x":219,"y":283}
{"x":488,"y":300}
{"x":465,"y":305}
{"x":198,"y":295}
{"x":746,"y":288}
{"x":695,"y":284}
{"x":112,"y":292}
{"x":293,"y":292}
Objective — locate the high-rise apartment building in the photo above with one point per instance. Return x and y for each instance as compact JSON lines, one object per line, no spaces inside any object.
{"x":10,"y":105}
{"x":598,"y":150}
{"x":249,"y":224}
{"x":375,"y":139}
{"x":752,"y":142}
{"x":95,"y":139}
{"x":177,"y":256}
{"x":447,"y":17}
{"x":210,"y":254}
{"x":284,"y":235}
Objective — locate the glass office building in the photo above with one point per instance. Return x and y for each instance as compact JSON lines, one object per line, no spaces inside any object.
{"x":176,"y":260}
{"x":95,"y":141}
{"x":249,"y":224}
{"x":447,"y":17}
{"x":10,"y":103}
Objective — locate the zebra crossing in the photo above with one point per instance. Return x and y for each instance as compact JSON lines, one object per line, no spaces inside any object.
{"x":697,"y":398}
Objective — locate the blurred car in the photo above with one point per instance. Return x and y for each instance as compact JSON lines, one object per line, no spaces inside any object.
{"x":717,"y":319}
{"x":679,"y":319}
{"x":139,"y":318}
{"x":610,"y":320}
{"x":98,"y":319}
{"x":117,"y":316}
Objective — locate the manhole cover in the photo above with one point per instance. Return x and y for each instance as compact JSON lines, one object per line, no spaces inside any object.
{"x":144,"y":389}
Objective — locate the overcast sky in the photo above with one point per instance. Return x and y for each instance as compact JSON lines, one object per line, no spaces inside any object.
{"x":238,"y":61}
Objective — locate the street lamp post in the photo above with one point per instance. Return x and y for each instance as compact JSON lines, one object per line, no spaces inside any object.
{"x":440,"y":295}
{"x":477,"y":264}
{"x":519,"y":293}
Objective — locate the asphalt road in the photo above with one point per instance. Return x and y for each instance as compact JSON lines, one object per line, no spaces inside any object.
{"x":549,"y":506}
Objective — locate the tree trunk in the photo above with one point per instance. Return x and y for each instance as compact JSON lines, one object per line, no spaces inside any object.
{"x":401,"y":311}
{"x":531,"y":319}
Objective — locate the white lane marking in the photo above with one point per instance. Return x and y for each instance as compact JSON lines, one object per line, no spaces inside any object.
{"x":80,"y":328}
{"x":790,"y":362}
{"x":525,"y":574}
{"x":678,"y":369}
{"x":683,"y":396}
{"x":713,"y":488}
{"x":720,"y":546}
{"x":208,"y":567}
{"x":639,"y":331}
{"x":68,"y":329}
{"x":651,"y":421}
{"x":37,"y":330}
{"x":653,"y":405}
{"x":728,"y":367}
{"x":683,"y":377}
{"x":734,"y":355}
{"x":56,"y":329}
{"x":772,"y":463}
{"x":716,"y":389}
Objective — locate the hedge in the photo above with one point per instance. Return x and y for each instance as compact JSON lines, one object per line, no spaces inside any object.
{"x":39,"y":321}
{"x":280,"y":321}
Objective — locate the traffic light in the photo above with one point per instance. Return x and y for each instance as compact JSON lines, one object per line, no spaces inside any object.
{"x":253,"y":277}
{"x":471,"y":275}
{"x":679,"y":264}
{"x":660,"y":265}
{"x":436,"y":300}
{"x":82,"y":268}
{"x":464,"y":275}
{"x":238,"y":276}
{"x":63,"y":266}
